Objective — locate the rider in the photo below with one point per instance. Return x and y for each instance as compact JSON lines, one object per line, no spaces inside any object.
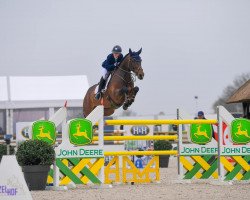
{"x":112,"y":61}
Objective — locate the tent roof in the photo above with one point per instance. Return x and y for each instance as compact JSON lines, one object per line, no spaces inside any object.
{"x":42,"y":91}
{"x":241,"y":95}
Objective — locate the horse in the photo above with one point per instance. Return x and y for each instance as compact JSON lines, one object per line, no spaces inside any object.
{"x":120,"y":90}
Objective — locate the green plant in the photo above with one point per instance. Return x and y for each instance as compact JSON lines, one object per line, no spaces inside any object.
{"x":162,"y":145}
{"x":3,"y":150}
{"x":35,"y":152}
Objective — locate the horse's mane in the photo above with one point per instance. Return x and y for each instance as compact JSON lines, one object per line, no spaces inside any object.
{"x":124,"y":58}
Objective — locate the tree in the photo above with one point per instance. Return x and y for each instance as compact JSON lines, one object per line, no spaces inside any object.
{"x":161,"y":113}
{"x":228,"y":91}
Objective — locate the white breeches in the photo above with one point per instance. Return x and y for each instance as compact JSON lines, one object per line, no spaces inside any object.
{"x":105,"y":73}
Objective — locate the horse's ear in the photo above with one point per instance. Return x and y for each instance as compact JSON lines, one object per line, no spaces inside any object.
{"x":130,"y":52}
{"x":139,"y":52}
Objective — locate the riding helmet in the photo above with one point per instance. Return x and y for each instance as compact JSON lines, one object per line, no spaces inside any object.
{"x":116,"y":49}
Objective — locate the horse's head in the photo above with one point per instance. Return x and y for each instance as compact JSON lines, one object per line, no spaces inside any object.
{"x":135,"y":63}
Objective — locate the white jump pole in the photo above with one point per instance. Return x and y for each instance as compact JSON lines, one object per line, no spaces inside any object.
{"x":97,"y":116}
{"x":51,"y":112}
{"x":180,"y":170}
{"x":9,"y":112}
{"x":220,"y":143}
{"x":101,"y":142}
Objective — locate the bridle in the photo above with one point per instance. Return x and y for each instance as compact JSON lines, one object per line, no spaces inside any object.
{"x":132,"y":74}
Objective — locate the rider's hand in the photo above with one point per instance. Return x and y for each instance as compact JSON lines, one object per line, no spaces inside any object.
{"x":116,"y":64}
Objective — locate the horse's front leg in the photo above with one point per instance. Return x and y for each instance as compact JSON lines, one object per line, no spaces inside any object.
{"x":122,"y":96}
{"x":124,"y":91}
{"x":126,"y":102}
{"x":133,"y":94}
{"x":131,"y":97}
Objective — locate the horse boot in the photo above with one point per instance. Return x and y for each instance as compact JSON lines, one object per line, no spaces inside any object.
{"x":100,"y":88}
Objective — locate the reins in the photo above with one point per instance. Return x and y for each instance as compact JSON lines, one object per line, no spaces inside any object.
{"x":132,"y":75}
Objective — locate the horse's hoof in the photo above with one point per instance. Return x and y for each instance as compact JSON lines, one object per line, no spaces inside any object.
{"x":125,"y":107}
{"x":136,"y":89}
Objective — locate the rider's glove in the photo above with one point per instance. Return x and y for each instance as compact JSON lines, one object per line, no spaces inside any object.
{"x":116,"y":64}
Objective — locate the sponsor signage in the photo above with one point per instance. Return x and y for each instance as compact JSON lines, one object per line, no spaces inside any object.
{"x":80,"y":132}
{"x":79,"y":152}
{"x":192,"y":149}
{"x":240,"y":131}
{"x":226,"y":150}
{"x":235,"y":150}
{"x":44,"y":130}
{"x":139,"y":130}
{"x":201,"y":133}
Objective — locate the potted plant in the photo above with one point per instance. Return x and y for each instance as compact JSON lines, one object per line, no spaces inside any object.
{"x":35,"y":157}
{"x":161,"y":145}
{"x":3,"y":150}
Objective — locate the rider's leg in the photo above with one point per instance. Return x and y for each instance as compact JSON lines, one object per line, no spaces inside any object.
{"x":100,"y":87}
{"x":105,"y":75}
{"x":102,"y":83}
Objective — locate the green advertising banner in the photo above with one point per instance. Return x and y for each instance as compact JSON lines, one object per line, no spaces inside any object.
{"x":240,"y":131}
{"x":80,"y":132}
{"x":201,"y":133}
{"x":44,"y":130}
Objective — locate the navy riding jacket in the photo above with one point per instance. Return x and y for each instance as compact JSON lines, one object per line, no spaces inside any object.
{"x":108,"y":64}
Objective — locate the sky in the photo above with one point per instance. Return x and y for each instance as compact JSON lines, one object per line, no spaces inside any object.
{"x":190,"y":47}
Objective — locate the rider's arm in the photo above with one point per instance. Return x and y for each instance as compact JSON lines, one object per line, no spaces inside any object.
{"x":108,"y":63}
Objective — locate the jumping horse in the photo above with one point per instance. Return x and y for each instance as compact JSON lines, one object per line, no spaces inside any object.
{"x":120,"y":90}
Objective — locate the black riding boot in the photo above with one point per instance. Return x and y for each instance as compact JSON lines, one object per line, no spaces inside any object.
{"x":100,"y":88}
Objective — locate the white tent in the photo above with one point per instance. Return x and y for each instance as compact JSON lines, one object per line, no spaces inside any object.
{"x":20,"y":92}
{"x":42,"y":91}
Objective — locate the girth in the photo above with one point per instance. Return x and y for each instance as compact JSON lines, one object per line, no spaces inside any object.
{"x":113,"y":104}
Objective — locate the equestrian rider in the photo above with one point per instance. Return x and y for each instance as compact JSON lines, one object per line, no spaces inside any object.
{"x":112,"y":61}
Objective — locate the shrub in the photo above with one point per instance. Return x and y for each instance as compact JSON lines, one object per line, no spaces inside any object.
{"x":162,"y":145}
{"x":35,"y":152}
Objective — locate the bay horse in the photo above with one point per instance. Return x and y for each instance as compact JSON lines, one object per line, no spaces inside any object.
{"x":120,"y":90}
